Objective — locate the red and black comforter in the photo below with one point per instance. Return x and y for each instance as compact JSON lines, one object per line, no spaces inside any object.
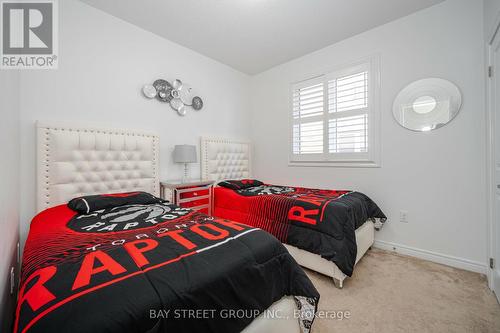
{"x":151,"y":267}
{"x":318,"y":221}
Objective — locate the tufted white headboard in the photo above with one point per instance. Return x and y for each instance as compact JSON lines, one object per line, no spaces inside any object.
{"x":225,"y":159}
{"x":75,"y":161}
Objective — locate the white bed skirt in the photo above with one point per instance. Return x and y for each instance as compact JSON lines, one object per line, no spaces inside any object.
{"x":285,"y":307}
{"x":365,"y":236}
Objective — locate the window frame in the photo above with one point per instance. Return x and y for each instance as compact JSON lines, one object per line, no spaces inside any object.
{"x":361,"y":159}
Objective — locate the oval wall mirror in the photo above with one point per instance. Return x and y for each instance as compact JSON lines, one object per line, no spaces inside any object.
{"x":427,"y":104}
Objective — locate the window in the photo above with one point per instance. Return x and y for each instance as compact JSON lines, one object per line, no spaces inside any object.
{"x":335,"y":118}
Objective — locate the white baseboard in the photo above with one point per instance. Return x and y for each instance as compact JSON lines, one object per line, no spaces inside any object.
{"x":439,"y":258}
{"x":496,"y":282}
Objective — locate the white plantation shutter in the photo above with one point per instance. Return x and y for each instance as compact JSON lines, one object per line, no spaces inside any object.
{"x":348,"y":134}
{"x":333,"y":117}
{"x":308,"y":102}
{"x":348,"y":113}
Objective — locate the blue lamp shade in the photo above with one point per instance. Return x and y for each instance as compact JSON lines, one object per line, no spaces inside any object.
{"x":185,"y":154}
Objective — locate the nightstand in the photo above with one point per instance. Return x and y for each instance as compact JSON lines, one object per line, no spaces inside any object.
{"x":193,"y":194}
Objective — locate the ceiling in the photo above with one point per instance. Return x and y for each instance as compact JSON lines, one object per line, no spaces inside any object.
{"x":255,"y":35}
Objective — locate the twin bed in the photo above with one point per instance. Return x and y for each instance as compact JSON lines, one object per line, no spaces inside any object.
{"x":132,"y":262}
{"x":324,"y":230}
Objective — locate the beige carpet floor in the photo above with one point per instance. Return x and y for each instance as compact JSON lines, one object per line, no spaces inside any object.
{"x":394,"y":293}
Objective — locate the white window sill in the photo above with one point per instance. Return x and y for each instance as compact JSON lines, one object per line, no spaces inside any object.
{"x":335,"y":164}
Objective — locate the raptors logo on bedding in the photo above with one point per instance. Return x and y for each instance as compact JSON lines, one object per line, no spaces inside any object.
{"x":127,"y":217}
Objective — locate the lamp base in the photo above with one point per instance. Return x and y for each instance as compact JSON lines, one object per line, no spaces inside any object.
{"x":186,"y":173}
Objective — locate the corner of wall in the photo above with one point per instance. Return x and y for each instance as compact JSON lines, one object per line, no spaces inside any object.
{"x":9,"y":195}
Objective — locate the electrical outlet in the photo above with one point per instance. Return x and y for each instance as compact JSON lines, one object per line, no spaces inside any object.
{"x":403,"y":216}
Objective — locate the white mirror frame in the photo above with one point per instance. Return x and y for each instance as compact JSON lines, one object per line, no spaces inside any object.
{"x":427,"y":104}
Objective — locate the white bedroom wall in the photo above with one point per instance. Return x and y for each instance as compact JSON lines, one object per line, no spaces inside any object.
{"x":438,"y":176}
{"x":103,"y":64}
{"x":491,"y":17}
{"x":9,"y":191}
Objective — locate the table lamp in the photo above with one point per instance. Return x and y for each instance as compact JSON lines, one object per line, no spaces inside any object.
{"x":185,"y":154}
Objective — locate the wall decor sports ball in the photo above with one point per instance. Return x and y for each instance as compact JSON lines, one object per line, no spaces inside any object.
{"x":177,"y":94}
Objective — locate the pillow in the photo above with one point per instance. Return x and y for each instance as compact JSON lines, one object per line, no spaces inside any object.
{"x":240,"y":184}
{"x":91,"y":203}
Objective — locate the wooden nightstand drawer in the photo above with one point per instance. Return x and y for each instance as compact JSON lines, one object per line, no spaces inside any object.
{"x":195,"y":195}
{"x":194,"y":203}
